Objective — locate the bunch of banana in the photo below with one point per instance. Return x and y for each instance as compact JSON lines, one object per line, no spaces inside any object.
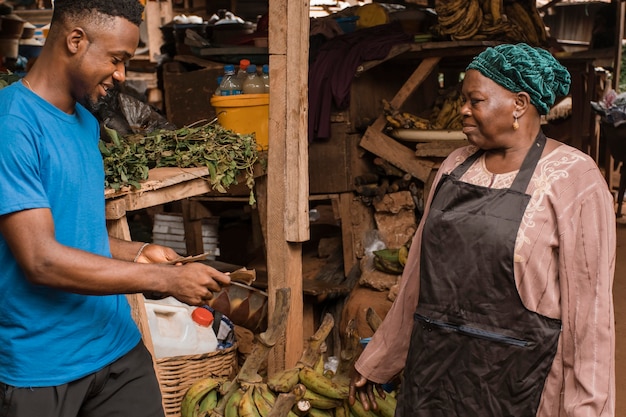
{"x":447,"y":115}
{"x":388,"y":261}
{"x":526,"y":23}
{"x":403,"y":120}
{"x":460,"y":19}
{"x":201,"y":397}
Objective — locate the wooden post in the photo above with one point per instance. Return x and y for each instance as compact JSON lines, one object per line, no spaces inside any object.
{"x":156,"y":14}
{"x":287,"y":178}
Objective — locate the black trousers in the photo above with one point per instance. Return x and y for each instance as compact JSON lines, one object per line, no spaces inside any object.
{"x":126,"y":387}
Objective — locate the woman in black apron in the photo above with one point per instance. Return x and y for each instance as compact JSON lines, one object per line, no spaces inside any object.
{"x":475,"y":348}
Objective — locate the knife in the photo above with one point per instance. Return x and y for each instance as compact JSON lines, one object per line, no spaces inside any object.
{"x":203,"y":256}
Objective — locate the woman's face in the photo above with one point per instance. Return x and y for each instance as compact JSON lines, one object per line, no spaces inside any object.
{"x":487,"y":112}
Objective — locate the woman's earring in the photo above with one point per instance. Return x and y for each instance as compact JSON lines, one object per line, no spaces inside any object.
{"x":515,"y":123}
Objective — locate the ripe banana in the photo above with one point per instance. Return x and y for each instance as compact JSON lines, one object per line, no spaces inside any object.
{"x":403,"y":254}
{"x":247,"y":407}
{"x":321,"y":401}
{"x":322,"y":385}
{"x":232,"y":405}
{"x":195,"y":393}
{"x":260,"y":402}
{"x":284,"y":381}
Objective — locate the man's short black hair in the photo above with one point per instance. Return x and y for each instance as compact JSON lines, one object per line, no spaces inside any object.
{"x":130,"y":10}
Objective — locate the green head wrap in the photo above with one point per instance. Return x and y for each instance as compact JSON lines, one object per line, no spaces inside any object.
{"x":524,"y":68}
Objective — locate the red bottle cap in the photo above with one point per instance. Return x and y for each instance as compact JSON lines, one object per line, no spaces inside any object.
{"x":202,"y":316}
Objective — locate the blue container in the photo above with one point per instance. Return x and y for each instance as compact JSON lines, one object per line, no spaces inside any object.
{"x":347,"y":24}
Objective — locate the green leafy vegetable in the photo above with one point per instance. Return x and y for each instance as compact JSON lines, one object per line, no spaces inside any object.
{"x":226,"y":154}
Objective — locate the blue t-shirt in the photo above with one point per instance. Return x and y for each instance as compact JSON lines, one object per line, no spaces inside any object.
{"x":50,"y":159}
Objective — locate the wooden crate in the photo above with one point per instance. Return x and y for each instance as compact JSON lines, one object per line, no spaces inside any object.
{"x":188,"y":92}
{"x":334,"y":163}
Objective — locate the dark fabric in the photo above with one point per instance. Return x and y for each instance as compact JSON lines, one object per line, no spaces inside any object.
{"x":127,"y":387}
{"x":475,"y":349}
{"x":336,"y":61}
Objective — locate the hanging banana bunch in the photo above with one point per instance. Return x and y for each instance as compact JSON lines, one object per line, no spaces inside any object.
{"x":504,"y":20}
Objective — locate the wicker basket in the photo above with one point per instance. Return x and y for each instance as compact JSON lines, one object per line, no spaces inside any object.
{"x":178,"y":373}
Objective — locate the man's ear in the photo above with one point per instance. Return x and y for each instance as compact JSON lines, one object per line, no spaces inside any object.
{"x":76,"y":39}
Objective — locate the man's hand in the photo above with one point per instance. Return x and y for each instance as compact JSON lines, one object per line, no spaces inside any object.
{"x":157,"y":254}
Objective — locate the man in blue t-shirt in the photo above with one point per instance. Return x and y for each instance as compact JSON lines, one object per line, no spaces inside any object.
{"x":68,"y":344}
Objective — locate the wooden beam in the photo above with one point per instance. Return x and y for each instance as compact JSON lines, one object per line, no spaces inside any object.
{"x":287,"y":177}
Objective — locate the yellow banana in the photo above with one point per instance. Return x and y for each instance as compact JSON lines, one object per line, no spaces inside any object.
{"x":208,"y":403}
{"x":194,"y":395}
{"x":393,"y":122}
{"x":343,"y":410}
{"x":232,"y":405}
{"x":246,"y":407}
{"x":403,"y":254}
{"x":322,"y":385}
{"x":260,"y":402}
{"x":284,"y":381}
{"x":321,"y":401}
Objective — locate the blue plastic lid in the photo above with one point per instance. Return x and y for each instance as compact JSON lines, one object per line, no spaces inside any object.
{"x":251,"y":69}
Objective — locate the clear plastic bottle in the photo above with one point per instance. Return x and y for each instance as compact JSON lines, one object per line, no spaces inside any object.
{"x":230,"y":85}
{"x":218,"y":91}
{"x":265,"y":75}
{"x":253,"y":83}
{"x":243,"y":66}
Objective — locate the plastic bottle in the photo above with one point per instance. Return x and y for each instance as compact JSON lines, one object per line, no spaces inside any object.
{"x":179,"y":330}
{"x":265,"y":75}
{"x":218,"y":91}
{"x":230,"y":85}
{"x":253,"y":83}
{"x":243,"y":66}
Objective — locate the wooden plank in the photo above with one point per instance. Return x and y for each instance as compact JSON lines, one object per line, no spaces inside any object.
{"x":156,"y":14}
{"x":192,"y":224}
{"x":277,"y":33}
{"x":119,"y":229}
{"x":422,"y":72}
{"x":297,"y":144}
{"x":396,"y":153}
{"x":347,"y":236}
{"x":288,"y":107}
{"x":439,"y":149}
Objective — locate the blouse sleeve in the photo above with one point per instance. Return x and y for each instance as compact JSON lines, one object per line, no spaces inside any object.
{"x":586,"y":265}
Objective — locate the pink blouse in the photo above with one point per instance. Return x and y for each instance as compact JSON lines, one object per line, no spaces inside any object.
{"x":564,"y":265}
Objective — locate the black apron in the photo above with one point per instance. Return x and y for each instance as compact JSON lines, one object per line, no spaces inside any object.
{"x":475,"y":349}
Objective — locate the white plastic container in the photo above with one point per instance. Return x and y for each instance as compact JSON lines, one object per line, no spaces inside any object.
{"x":178,"y":330}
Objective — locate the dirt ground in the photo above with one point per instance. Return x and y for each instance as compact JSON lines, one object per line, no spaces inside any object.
{"x":619,"y":297}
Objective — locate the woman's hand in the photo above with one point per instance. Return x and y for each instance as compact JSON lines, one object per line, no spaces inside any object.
{"x":364,"y":389}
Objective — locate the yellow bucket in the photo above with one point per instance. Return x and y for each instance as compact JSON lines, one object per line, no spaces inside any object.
{"x":245,"y":113}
